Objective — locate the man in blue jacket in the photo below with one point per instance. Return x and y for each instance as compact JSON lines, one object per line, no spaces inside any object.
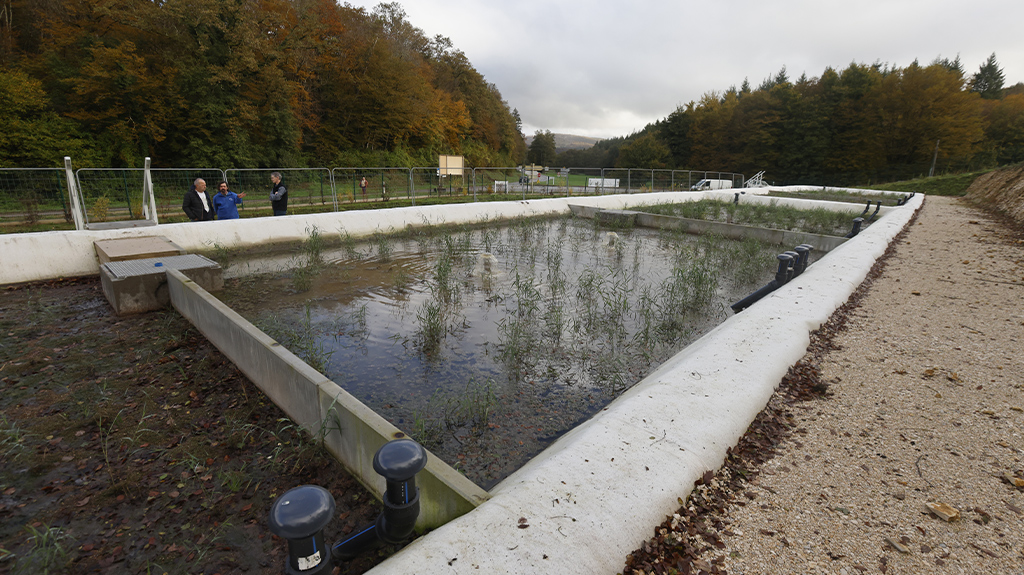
{"x":225,"y":202}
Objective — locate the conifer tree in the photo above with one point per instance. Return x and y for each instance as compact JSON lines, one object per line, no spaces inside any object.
{"x":988,"y":81}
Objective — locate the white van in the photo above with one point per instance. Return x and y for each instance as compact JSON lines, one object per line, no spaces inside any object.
{"x":711,"y":185}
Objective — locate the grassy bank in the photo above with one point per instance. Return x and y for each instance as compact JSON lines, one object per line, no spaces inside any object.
{"x":952,"y":185}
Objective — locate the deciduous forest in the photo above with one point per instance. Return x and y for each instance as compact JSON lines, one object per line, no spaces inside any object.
{"x":291,"y":83}
{"x":241,"y":83}
{"x":860,"y":124}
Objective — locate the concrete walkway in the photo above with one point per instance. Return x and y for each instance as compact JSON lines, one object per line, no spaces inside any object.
{"x":927,"y":393}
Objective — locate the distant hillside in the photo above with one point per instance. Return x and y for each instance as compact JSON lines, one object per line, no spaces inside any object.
{"x":565,"y":142}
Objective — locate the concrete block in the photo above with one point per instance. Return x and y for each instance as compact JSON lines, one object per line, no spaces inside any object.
{"x":120,"y":249}
{"x":135,"y":286}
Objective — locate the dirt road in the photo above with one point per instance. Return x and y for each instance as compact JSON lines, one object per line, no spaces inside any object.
{"x":924,"y":406}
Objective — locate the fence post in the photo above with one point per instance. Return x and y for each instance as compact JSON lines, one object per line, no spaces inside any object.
{"x":148,"y":194}
{"x":334,"y":190}
{"x":76,"y":206}
{"x":412,"y":187}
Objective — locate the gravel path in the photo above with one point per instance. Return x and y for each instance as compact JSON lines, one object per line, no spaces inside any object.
{"x":925,"y":407}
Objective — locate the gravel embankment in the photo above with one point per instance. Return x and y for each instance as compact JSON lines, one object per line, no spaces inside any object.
{"x":924,"y":406}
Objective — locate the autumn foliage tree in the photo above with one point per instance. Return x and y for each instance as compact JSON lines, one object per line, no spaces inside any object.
{"x":250,"y":84}
{"x":862,"y":123}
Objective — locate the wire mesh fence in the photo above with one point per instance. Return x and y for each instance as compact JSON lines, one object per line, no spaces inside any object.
{"x":432,"y":182}
{"x":503,"y":181}
{"x":111,"y":194}
{"x":39,"y":198}
{"x":360,"y":185}
{"x":34,"y":197}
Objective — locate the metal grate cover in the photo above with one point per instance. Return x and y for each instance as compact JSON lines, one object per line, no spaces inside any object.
{"x":148,"y":266}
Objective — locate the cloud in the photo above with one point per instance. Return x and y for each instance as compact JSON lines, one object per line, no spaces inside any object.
{"x":605,"y":69}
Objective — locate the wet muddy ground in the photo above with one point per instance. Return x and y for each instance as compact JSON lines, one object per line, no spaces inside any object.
{"x":131,"y":445}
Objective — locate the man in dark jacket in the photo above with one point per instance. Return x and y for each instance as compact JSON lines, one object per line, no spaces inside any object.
{"x":279,"y":195}
{"x":197,"y":205}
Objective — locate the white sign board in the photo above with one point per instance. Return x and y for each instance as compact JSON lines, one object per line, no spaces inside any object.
{"x":449,"y":166}
{"x":602,"y":182}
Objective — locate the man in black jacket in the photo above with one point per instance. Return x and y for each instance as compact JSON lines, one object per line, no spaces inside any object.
{"x":197,"y":205}
{"x":279,"y":195}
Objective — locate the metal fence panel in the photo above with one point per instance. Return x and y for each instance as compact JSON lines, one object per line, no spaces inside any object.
{"x":429,"y":182}
{"x":500,"y":180}
{"x":382,"y":184}
{"x":616,"y":181}
{"x":111,"y":194}
{"x":34,"y":196}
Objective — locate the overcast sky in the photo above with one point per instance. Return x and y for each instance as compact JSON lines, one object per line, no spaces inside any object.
{"x":606,"y":68}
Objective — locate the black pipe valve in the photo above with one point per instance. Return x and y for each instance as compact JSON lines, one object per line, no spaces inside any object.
{"x":300,"y":516}
{"x":397,"y":462}
{"x":857,"y":222}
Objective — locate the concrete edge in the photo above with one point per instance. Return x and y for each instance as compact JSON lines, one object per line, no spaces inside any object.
{"x":821,"y":243}
{"x":351,"y":431}
{"x":597,"y":493}
{"x":788,"y":238}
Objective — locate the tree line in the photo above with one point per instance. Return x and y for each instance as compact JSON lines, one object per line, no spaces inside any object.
{"x":240,"y":83}
{"x":864,"y":123}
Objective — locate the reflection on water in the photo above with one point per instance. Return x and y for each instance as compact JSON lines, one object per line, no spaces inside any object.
{"x":487,"y":344}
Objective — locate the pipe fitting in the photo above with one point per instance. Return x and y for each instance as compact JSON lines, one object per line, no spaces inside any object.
{"x":877,"y":209}
{"x":785,"y":263}
{"x":398,"y":462}
{"x":857,"y":222}
{"x":794,"y":257}
{"x":783,"y":271}
{"x":804,"y":250}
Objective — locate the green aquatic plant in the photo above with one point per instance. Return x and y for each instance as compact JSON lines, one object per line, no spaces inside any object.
{"x":432,"y":327}
{"x":307,"y":343}
{"x":385,"y":245}
{"x":517,"y":333}
{"x":348,"y":243}
{"x":313,"y":246}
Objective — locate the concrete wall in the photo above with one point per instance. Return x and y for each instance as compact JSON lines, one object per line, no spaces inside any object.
{"x":598,"y":492}
{"x":352,"y":431}
{"x":781,"y":237}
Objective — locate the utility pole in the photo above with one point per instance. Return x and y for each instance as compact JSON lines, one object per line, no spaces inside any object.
{"x":935,"y":157}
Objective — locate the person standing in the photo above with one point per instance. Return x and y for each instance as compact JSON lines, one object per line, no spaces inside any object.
{"x":279,"y":195}
{"x":225,"y":202}
{"x":197,"y":205}
{"x":362,"y":186}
